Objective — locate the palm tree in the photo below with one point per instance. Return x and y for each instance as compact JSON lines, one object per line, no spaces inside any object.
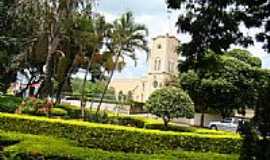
{"x":100,"y":29}
{"x":124,"y":38}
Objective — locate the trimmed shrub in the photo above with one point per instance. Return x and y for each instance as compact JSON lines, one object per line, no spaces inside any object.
{"x":9,"y":104}
{"x":59,"y":112}
{"x":169,"y":128}
{"x":116,"y":138}
{"x":126,"y":121}
{"x":73,"y":111}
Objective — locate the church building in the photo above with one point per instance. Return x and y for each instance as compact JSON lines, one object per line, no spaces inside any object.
{"x":163,"y":62}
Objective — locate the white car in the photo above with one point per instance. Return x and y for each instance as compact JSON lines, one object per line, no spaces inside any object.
{"x":227,"y":124}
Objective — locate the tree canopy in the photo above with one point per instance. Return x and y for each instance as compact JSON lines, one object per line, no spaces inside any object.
{"x":215,"y":25}
{"x":169,"y":103}
{"x":224,"y":83}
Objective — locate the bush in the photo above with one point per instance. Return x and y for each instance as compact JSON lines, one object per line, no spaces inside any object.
{"x":59,"y":112}
{"x":9,"y":104}
{"x":29,"y":147}
{"x":116,"y":138}
{"x":33,"y":106}
{"x":169,"y":128}
{"x":100,"y":117}
{"x":126,"y":121}
{"x":72,"y":111}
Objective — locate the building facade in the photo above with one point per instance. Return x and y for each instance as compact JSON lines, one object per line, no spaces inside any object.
{"x":162,"y":61}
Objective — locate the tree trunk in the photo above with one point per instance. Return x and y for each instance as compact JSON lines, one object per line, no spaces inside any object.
{"x":202,"y":119}
{"x":46,"y":89}
{"x":62,"y":84}
{"x":166,"y":122}
{"x":108,"y":83}
{"x":59,"y":92}
{"x":83,"y":101}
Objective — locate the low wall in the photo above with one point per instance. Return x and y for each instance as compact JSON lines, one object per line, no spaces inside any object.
{"x":104,"y":106}
{"x":197,"y":119}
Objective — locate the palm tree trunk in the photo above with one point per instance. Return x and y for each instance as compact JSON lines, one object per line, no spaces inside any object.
{"x":108,"y":83}
{"x":83,"y":101}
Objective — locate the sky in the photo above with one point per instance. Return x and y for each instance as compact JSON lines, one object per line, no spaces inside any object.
{"x":153,"y":14}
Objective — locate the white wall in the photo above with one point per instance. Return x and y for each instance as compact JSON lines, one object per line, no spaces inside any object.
{"x":197,"y":119}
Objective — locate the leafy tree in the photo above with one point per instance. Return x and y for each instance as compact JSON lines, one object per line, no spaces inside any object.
{"x":223,"y":83}
{"x":124,"y":38}
{"x":169,"y":103}
{"x":215,"y":24}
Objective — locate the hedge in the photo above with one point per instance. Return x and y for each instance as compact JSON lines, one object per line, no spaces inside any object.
{"x":118,"y":138}
{"x":26,"y":147}
{"x":9,"y":104}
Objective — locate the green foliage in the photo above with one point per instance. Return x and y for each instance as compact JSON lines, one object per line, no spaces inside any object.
{"x":224,"y":82}
{"x":245,"y":56}
{"x":73,"y":112}
{"x":215,"y":25}
{"x":116,"y":138}
{"x":32,"y":106}
{"x":28,"y":147}
{"x":169,"y":103}
{"x":92,"y":89}
{"x":58,"y":112}
{"x":126,"y":121}
{"x":169,"y":128}
{"x":9,"y":103}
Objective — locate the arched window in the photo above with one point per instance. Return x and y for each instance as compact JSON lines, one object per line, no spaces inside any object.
{"x":157,"y":64}
{"x":155,"y":84}
{"x":171,"y":67}
{"x":120,"y":95}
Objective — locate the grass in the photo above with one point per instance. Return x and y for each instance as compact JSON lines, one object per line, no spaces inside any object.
{"x":50,"y":146}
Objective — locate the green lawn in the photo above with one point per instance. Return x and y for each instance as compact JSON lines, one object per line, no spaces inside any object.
{"x":56,"y":147}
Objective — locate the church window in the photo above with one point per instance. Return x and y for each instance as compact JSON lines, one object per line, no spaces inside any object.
{"x":159,"y":46}
{"x":120,"y":96}
{"x":157,"y":64}
{"x":171,"y":67}
{"x":155,"y":84}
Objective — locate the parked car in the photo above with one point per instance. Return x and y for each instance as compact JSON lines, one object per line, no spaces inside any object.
{"x":227,"y":124}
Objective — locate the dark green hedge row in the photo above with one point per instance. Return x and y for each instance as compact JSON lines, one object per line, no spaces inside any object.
{"x":116,"y":138}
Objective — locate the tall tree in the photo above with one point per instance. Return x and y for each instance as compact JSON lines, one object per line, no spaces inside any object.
{"x":124,"y":38}
{"x":215,"y":25}
{"x":99,"y":34}
{"x":223,"y":83}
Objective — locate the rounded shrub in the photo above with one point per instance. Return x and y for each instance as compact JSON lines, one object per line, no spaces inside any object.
{"x":58,"y":112}
{"x":169,"y":103}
